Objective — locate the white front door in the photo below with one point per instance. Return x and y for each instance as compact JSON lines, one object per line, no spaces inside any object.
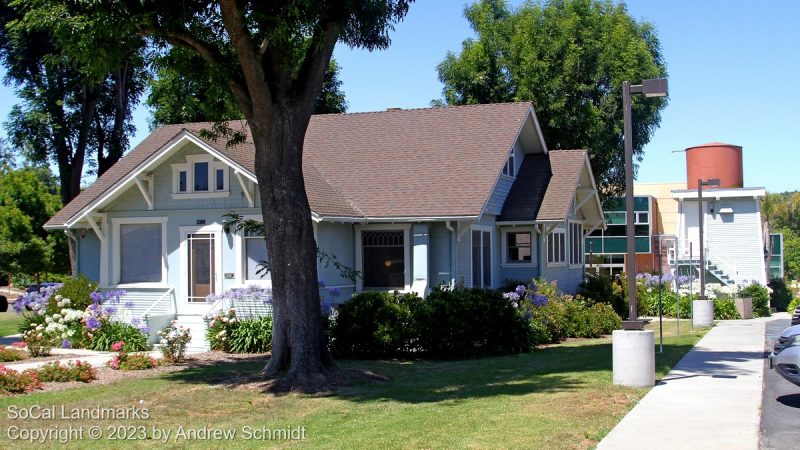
{"x":201,"y":257}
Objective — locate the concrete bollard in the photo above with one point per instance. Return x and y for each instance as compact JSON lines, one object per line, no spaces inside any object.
{"x":702,"y":313}
{"x":634,"y":358}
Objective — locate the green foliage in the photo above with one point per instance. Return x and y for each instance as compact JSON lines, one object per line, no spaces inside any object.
{"x":111,"y":332}
{"x":77,"y":290}
{"x":599,"y":288}
{"x":136,"y":361}
{"x":11,"y":354}
{"x":173,"y":342}
{"x":568,"y":57}
{"x":760,"y":297}
{"x":781,"y":296}
{"x":565,"y":317}
{"x":14,"y":382}
{"x":725,"y":310}
{"x":28,"y":198}
{"x":794,"y":304}
{"x":71,"y":371}
{"x":251,"y":336}
{"x":37,"y":341}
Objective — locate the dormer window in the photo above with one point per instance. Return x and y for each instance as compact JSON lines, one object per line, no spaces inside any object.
{"x":200,"y":177}
{"x":508,"y":169}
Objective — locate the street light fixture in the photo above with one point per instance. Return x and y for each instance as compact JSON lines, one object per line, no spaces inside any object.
{"x":656,"y":87}
{"x":711,"y":182}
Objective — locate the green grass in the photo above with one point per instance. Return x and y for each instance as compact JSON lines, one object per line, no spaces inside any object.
{"x":9,"y":322}
{"x":558,"y":397}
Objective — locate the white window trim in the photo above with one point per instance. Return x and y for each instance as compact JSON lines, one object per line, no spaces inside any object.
{"x":563,"y":232}
{"x":490,"y":229}
{"x":406,"y":227}
{"x":117,"y":264}
{"x":188,"y":167}
{"x":582,"y":243}
{"x":241,"y":257}
{"x":636,"y":218}
{"x":504,"y":243}
{"x":510,"y":166}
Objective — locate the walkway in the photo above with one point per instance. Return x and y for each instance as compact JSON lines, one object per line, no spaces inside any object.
{"x":710,"y":400}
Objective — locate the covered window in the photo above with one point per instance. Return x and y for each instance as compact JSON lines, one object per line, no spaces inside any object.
{"x":384,"y":259}
{"x":220,"y":179}
{"x":557,"y":247}
{"x":182,"y":181}
{"x":481,"y":258}
{"x":201,"y":177}
{"x":508,"y":169}
{"x":140,"y":253}
{"x":576,"y":243}
{"x":255,"y":251}
{"x":518,"y":247}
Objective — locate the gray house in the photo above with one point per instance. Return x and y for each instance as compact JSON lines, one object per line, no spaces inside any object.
{"x":411,"y":198}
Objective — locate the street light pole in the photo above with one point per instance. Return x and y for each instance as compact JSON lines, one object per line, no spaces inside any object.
{"x":630,"y":259}
{"x":700,"y":213}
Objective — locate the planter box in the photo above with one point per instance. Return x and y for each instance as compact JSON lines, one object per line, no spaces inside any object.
{"x":744,"y":306}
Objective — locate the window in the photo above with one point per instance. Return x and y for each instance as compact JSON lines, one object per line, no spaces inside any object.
{"x":182,"y":181}
{"x":615,"y":218}
{"x":576,"y":243}
{"x":383,"y":259}
{"x":518,"y":247}
{"x":255,"y":251}
{"x":508,"y":169}
{"x":481,"y":258}
{"x":642,"y":218}
{"x":200,"y":176}
{"x":556,"y":247}
{"x":140,"y":253}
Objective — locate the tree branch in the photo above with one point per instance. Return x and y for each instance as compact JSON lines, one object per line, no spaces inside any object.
{"x":318,"y":55}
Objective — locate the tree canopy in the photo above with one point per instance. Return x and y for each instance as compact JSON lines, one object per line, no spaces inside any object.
{"x":569,"y":58}
{"x":781,"y":212}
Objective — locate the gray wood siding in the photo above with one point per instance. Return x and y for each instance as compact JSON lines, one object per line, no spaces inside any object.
{"x":440,"y":247}
{"x":503,"y":187}
{"x":336,"y":239}
{"x":89,"y":254}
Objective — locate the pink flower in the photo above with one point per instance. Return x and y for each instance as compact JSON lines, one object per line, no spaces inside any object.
{"x":117,"y":346}
{"x":18,"y":344}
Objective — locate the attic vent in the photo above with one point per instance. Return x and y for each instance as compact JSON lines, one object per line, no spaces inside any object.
{"x":394,"y":109}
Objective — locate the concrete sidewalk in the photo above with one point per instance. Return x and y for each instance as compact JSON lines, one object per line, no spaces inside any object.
{"x":710,"y":400}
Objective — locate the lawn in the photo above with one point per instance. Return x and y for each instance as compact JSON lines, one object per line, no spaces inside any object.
{"x":558,"y":397}
{"x":9,"y":322}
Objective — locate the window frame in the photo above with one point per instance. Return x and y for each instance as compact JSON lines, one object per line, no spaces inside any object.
{"x":117,"y":251}
{"x":561,"y":231}
{"x":510,"y":168}
{"x":241,"y":257}
{"x":189,"y":167}
{"x":505,"y":262}
{"x":407,"y":260}
{"x":482,"y":229}
{"x":576,"y":238}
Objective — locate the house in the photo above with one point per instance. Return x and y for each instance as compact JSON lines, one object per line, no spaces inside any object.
{"x":412,"y":199}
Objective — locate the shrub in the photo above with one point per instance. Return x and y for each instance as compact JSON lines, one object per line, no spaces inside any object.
{"x":38,"y":342}
{"x":112,"y":332}
{"x":220,"y":328}
{"x":130,"y":361}
{"x":793,"y":305}
{"x":467,"y":323}
{"x":72,"y":371}
{"x":173,"y":342}
{"x":781,"y":296}
{"x":599,"y":288}
{"x":725,"y":310}
{"x":13,"y":382}
{"x":251,"y":336}
{"x":375,"y":325}
{"x":760,"y":297}
{"x":78,"y":290}
{"x":11,"y":354}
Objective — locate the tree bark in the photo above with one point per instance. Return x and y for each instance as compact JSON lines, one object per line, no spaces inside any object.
{"x":298,"y":343}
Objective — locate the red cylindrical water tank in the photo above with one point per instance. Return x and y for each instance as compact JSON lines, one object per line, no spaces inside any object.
{"x":714,"y":160}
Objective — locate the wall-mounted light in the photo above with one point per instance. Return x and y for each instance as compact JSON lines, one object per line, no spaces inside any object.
{"x":711,"y":208}
{"x":387,"y":264}
{"x":83,"y":233}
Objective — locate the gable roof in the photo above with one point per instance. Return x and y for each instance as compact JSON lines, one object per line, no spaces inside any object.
{"x":545,"y":187}
{"x":434,"y":162}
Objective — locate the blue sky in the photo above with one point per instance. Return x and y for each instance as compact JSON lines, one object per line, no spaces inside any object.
{"x":733,"y":69}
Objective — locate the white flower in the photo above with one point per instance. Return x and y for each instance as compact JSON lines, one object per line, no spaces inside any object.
{"x":59,"y":297}
{"x":163,"y":341}
{"x":224,"y":320}
{"x":48,"y":319}
{"x":70,"y":333}
{"x":221,"y":333}
{"x":233,"y":319}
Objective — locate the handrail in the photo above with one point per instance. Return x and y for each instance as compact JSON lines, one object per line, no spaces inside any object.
{"x":723,"y":261}
{"x":158,"y":300}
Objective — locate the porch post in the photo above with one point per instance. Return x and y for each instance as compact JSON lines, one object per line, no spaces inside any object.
{"x":421,"y":240}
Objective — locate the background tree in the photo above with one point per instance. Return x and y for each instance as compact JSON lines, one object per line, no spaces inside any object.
{"x":273,"y":57}
{"x":28,"y":198}
{"x":185,"y":89}
{"x":568,"y":57}
{"x":781,"y":214}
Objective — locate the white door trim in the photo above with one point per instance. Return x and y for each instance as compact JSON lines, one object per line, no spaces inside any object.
{"x":182,"y":291}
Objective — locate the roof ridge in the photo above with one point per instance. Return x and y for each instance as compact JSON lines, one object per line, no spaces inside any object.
{"x":428,"y":108}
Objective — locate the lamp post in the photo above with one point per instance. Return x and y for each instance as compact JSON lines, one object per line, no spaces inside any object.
{"x":702,"y":309}
{"x":656,"y":87}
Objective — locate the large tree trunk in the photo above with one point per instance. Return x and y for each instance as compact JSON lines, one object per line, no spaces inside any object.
{"x":298,"y":344}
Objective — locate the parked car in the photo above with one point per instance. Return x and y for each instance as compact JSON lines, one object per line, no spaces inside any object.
{"x":785,"y":357}
{"x":796,"y":316}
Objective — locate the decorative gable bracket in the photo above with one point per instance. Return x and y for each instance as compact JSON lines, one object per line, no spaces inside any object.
{"x":247,"y":188}
{"x":148,"y":192}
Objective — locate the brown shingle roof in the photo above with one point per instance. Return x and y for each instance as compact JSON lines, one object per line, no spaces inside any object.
{"x":435,"y":162}
{"x":544,"y":187}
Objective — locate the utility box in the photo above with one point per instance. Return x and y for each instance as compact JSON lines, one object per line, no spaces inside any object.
{"x":744,"y":306}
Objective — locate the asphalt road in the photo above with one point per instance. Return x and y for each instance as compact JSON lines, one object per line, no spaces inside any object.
{"x":780,"y":401}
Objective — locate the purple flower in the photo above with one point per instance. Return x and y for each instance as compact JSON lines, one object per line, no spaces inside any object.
{"x":520,"y":291}
{"x":538,"y":300}
{"x":639,"y":276}
{"x":513,"y":296}
{"x":96,"y":297}
{"x":110,"y":310}
{"x":145,"y":330}
{"x":321,"y":284}
{"x":65,"y":344}
{"x":334,"y":292}
{"x":92,"y":323}
{"x":129,"y":305}
{"x":136,"y":321}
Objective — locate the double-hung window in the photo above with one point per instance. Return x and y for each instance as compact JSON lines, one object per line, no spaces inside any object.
{"x":557,"y":247}
{"x":481,"y":258}
{"x":255,"y":255}
{"x":575,"y":243}
{"x":200,"y":176}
